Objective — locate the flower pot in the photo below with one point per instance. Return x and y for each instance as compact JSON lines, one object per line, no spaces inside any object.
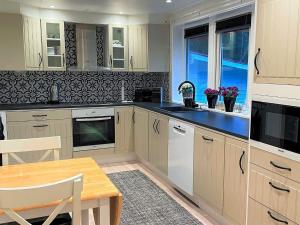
{"x":229,"y":103}
{"x":212,"y":101}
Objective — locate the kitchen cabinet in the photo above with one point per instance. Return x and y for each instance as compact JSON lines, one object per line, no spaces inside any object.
{"x":158,"y":141}
{"x":209,"y":167}
{"x":141,"y":131}
{"x":11,"y":42}
{"x":259,"y":214}
{"x":53,"y":41}
{"x":118,"y":47}
{"x":149,"y":47}
{"x":138,"y":47}
{"x":35,"y":124}
{"x":124,"y":129}
{"x":32,"y":43}
{"x":277,"y":48}
{"x":235,"y":181}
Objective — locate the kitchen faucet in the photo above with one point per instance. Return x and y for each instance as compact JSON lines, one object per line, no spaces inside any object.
{"x":189,"y":102}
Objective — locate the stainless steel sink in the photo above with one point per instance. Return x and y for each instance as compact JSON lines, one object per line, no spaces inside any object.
{"x":180,"y":109}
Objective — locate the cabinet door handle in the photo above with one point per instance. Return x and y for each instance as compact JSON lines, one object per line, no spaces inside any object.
{"x":153,"y":125}
{"x":280,"y":167}
{"x":133,"y":117}
{"x":242,"y":156}
{"x":40,"y":59}
{"x":118,"y":117}
{"x":131,"y":62}
{"x":278,"y":220}
{"x":111,"y":61}
{"x":157,"y":126}
{"x":278,"y":188}
{"x":40,"y":126}
{"x":255,"y":61}
{"x":38,"y":116}
{"x":64,"y":60}
{"x":207,"y":139}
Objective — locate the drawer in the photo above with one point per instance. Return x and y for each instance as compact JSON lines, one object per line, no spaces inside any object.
{"x":34,"y":129}
{"x":275,"y":192}
{"x":277,"y":164}
{"x":261,"y":215}
{"x":38,"y":115}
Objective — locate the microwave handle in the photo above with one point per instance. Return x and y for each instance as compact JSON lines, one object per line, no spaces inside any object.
{"x":93,"y":119}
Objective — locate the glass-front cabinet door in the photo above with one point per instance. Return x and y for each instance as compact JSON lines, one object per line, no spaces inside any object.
{"x":53,"y":39}
{"x":118,"y":47}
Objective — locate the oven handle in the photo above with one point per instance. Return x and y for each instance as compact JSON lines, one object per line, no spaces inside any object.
{"x":92,"y":119}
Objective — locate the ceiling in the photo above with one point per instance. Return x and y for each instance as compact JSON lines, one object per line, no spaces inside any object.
{"x":127,"y":7}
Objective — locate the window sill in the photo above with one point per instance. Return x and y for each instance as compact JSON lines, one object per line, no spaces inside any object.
{"x":237,"y":114}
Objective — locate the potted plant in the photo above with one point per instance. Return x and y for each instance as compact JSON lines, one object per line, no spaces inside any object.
{"x":229,"y":94}
{"x":212,"y":97}
{"x":187,"y":93}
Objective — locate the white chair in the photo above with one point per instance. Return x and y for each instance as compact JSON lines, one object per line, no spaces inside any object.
{"x":63,"y":191}
{"x":47,"y":144}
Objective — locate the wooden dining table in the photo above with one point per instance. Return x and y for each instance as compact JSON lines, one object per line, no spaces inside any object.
{"x":99,"y":193}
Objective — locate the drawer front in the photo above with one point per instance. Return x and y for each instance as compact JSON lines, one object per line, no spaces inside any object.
{"x":38,"y":115}
{"x":276,"y":192}
{"x":35,"y":129}
{"x":261,"y":215}
{"x":277,"y":164}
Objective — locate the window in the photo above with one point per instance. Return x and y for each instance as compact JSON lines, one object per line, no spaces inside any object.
{"x":197,"y":62}
{"x":234,"y":47}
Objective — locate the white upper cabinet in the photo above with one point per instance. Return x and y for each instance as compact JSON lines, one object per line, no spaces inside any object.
{"x":277,"y":42}
{"x":138,"y":47}
{"x":118,"y":47}
{"x":11,"y":42}
{"x":53,"y":41}
{"x":149,"y":48}
{"x":32,"y":43}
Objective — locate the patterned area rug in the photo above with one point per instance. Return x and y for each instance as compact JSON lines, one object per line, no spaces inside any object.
{"x":146,"y":204}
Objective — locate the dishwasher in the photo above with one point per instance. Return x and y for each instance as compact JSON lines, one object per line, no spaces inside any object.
{"x":181,"y":155}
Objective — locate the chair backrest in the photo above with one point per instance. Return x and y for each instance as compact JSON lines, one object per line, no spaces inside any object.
{"x":62,"y":192}
{"x":47,"y":144}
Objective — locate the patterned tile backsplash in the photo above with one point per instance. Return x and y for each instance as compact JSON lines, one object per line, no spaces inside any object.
{"x":76,"y":87}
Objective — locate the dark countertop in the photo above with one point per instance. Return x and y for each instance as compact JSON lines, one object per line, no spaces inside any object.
{"x":232,"y":125}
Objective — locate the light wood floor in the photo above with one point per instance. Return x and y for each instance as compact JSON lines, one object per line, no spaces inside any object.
{"x":191,"y":208}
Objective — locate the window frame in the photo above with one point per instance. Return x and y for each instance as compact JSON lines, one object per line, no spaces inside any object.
{"x":214,"y":53}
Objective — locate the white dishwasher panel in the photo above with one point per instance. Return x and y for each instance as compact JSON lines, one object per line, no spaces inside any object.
{"x":181,"y":155}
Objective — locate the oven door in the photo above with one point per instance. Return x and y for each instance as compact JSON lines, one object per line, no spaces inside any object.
{"x":93,"y":133}
{"x":276,"y":125}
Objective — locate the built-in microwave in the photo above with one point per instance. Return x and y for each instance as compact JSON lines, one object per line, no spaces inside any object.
{"x":276,"y":127}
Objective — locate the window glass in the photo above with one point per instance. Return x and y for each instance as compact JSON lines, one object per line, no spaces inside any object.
{"x":234,"y":61}
{"x":197,"y":64}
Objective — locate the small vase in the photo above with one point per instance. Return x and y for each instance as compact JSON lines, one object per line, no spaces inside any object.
{"x":229,"y":103}
{"x":212,"y":101}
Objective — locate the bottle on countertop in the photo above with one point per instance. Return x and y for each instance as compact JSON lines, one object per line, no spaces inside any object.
{"x":54,"y":93}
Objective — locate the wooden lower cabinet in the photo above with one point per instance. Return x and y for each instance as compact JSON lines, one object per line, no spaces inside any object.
{"x":275,"y":192}
{"x":41,"y":128}
{"x":141,"y":130}
{"x":235,"y":181}
{"x":158,"y":141}
{"x":261,"y":215}
{"x":209,"y":167}
{"x":124,"y":134}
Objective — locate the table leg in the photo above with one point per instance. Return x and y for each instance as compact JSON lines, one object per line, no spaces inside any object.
{"x":85,"y":217}
{"x":102,"y":213}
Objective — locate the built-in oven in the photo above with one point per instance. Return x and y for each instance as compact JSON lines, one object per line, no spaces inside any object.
{"x":93,"y":129}
{"x":276,"y":127}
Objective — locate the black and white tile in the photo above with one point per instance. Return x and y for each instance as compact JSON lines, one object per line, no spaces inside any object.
{"x":77,"y":87}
